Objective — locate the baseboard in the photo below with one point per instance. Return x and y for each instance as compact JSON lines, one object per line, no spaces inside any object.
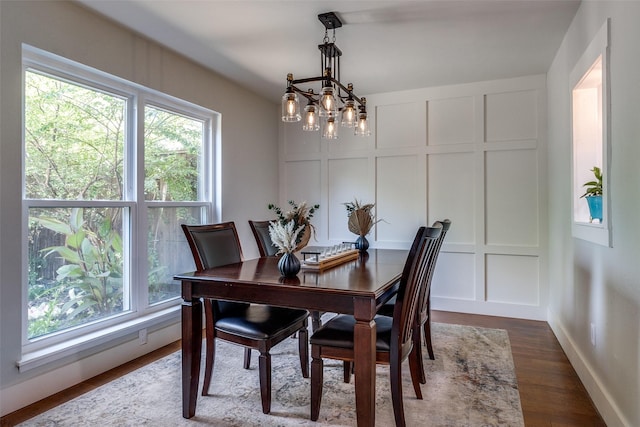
{"x":518,"y":311}
{"x":602,"y":399}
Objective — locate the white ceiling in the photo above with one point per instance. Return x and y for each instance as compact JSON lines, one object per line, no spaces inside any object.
{"x":387,"y":45}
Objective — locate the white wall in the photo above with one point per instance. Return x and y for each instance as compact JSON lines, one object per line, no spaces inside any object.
{"x":249,"y":157}
{"x":592,"y":284}
{"x":473,"y":153}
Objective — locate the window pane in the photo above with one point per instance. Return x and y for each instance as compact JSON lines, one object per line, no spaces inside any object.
{"x":172,"y":149}
{"x":75,"y":267}
{"x":169,"y":253}
{"x":74,"y":139}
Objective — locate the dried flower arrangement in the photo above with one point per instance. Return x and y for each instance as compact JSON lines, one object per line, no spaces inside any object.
{"x":285,"y":236}
{"x":301,"y":214}
{"x":361,"y":218}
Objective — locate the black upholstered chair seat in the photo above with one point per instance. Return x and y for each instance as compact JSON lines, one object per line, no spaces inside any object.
{"x":339,"y":332}
{"x":261,"y":321}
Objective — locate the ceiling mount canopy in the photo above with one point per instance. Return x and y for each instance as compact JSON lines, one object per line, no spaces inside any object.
{"x":335,"y":103}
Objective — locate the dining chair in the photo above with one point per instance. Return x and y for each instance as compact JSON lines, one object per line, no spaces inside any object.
{"x":394,"y":342}
{"x":423,"y":314}
{"x":260,"y":231}
{"x":253,"y":326}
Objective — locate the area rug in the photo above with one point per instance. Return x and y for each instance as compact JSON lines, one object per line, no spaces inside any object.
{"x":471,"y":383}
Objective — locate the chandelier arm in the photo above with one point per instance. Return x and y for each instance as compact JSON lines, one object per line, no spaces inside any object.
{"x":322,"y":79}
{"x":306,"y":94}
{"x":308,"y":79}
{"x":346,"y":89}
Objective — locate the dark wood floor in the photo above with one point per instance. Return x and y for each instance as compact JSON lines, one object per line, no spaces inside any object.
{"x":550,"y":391}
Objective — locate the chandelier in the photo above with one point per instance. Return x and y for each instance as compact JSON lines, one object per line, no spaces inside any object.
{"x":335,"y":103}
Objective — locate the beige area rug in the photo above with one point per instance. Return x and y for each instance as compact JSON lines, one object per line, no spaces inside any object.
{"x":471,"y":383}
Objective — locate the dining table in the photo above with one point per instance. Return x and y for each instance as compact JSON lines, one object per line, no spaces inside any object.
{"x":357,"y":287}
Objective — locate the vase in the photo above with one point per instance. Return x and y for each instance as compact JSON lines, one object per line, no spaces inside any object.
{"x":595,"y":208}
{"x":362,"y":244}
{"x":289,"y":265}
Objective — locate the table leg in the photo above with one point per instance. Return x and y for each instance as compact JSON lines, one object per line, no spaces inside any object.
{"x":365,"y":366}
{"x":191,"y":350}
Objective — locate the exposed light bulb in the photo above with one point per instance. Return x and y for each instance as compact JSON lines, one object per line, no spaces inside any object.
{"x":330,"y":128}
{"x":328,"y":104}
{"x":362,"y":128}
{"x":290,"y":107}
{"x":310,"y":118}
{"x":349,"y":114}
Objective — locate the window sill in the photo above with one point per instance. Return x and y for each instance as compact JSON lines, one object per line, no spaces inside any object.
{"x":595,"y":233}
{"x":73,"y":346}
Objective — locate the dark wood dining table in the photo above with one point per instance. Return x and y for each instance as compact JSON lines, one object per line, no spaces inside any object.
{"x":358,"y":287}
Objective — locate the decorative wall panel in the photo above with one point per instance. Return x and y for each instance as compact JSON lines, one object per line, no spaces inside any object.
{"x":512,"y":279}
{"x":298,"y":141}
{"x":401,"y":125}
{"x":512,"y":197}
{"x":454,"y":276}
{"x":512,"y":116}
{"x":451,"y":121}
{"x":451,"y":180}
{"x":303,"y":184}
{"x":348,"y":179}
{"x":400,"y":197}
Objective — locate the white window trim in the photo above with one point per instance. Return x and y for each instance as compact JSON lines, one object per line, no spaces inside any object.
{"x":63,"y":344}
{"x":596,"y":233}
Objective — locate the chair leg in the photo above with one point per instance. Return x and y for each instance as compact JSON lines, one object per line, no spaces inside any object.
{"x":427,"y":338}
{"x":247,"y":358}
{"x":415,"y":368}
{"x":316,"y":384}
{"x":315,"y":320}
{"x":264,"y":363}
{"x":395,"y":372}
{"x":427,"y":330}
{"x":348,"y":369}
{"x":417,"y":348}
{"x":303,"y":350}
{"x":210,"y":346}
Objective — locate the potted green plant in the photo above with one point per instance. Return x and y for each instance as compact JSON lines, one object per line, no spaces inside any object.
{"x":593,"y":195}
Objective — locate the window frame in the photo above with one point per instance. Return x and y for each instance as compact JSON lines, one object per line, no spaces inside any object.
{"x":599,"y":233}
{"x":141,"y":313}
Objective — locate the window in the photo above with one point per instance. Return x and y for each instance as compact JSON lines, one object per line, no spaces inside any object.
{"x":111,"y":169}
{"x":590,"y":142}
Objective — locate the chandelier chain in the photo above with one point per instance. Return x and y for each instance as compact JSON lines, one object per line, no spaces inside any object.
{"x":326,"y":36}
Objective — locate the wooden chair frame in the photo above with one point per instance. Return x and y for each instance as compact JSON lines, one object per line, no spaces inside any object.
{"x":401,"y":341}
{"x":203,"y":260}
